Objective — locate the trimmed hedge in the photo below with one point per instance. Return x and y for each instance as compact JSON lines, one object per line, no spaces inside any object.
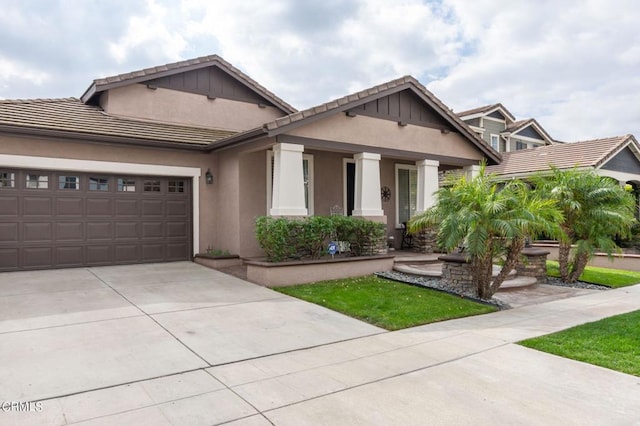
{"x":307,"y":238}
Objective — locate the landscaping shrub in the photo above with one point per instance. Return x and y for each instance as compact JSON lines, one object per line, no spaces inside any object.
{"x":290,"y":239}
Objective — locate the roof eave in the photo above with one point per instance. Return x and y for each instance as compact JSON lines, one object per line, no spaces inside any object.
{"x":96,"y":137}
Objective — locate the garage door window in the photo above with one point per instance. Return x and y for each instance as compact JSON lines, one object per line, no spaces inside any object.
{"x":68,"y":182}
{"x":151,"y":185}
{"x":98,"y":184}
{"x":126,"y":185}
{"x":176,"y":186}
{"x":36,"y":181}
{"x":7,"y":180}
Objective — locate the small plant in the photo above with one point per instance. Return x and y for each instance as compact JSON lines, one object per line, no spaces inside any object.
{"x":217,"y":252}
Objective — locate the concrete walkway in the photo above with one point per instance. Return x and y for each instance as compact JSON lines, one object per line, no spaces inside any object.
{"x":465,"y":371}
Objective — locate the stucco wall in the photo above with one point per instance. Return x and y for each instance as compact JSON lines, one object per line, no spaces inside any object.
{"x":367,"y":131}
{"x":173,"y":106}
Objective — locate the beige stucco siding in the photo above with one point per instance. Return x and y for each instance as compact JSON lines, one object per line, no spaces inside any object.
{"x":367,"y":131}
{"x":172,"y":106}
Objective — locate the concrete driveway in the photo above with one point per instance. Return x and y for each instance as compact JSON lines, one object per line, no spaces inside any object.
{"x":181,"y":344}
{"x":68,"y":331}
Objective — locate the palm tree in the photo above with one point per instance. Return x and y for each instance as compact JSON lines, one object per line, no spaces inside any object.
{"x":488,"y":219}
{"x":596,"y":209}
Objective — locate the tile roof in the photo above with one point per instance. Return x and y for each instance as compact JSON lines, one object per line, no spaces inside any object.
{"x":72,"y":116}
{"x":146,"y":74}
{"x":592,"y":153}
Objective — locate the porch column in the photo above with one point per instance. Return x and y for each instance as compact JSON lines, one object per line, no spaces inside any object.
{"x":427,"y":184}
{"x":367,"y":189}
{"x":288,"y":181}
{"x":471,"y":171}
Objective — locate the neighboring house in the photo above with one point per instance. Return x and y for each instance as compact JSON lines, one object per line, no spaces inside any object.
{"x":616,"y":157}
{"x":158,"y":164}
{"x":499,"y":128}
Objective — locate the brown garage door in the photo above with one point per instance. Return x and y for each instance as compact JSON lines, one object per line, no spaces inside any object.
{"x":67,"y":219}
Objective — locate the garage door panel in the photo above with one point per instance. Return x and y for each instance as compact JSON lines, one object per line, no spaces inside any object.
{"x":37,"y":206}
{"x":99,"y":231}
{"x":152,"y":252}
{"x":66,"y":206}
{"x":127,"y":253}
{"x":37,"y":231}
{"x":99,"y":255}
{"x":151,"y":208}
{"x":127,"y":230}
{"x":9,"y":232}
{"x":69,"y":256}
{"x":178,"y":208}
{"x":99,"y":207}
{"x":8,"y":206}
{"x":37,"y":257}
{"x":176,"y":229}
{"x":64,"y":221}
{"x":69,"y":231}
{"x":9,"y":259}
{"x":152,"y":229}
{"x":127,"y":208}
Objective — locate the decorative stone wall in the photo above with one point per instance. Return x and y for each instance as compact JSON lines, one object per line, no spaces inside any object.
{"x":425,"y":241}
{"x":533,"y":263}
{"x":375,"y":246}
{"x":456,"y":273}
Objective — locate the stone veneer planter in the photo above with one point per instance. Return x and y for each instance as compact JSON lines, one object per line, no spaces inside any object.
{"x":534,"y":264}
{"x":277,"y":274}
{"x":456,"y":273}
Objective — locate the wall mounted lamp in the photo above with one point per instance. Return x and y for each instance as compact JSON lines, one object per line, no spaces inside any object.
{"x":208,"y":177}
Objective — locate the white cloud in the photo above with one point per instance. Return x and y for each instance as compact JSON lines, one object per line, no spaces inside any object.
{"x":570,"y":64}
{"x":152,"y":33}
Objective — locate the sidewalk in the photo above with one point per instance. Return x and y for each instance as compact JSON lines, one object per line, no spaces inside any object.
{"x":465,"y":371}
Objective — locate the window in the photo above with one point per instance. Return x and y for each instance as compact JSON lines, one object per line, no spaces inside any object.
{"x":36,"y":181}
{"x":98,"y":184}
{"x":307,"y":171}
{"x":68,"y":182}
{"x":406,"y":192}
{"x":126,"y":185}
{"x":176,"y":186}
{"x":7,"y":180}
{"x":520,"y":145}
{"x":151,"y":185}
{"x":495,"y":142}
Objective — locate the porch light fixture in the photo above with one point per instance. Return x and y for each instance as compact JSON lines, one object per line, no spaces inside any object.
{"x":208,"y":177}
{"x":402,"y":123}
{"x":350,"y":114}
{"x":445,"y":131}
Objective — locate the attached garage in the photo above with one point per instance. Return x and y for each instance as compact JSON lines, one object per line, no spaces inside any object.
{"x":59,"y":219}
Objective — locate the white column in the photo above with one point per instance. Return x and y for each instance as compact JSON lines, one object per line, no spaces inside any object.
{"x":471,"y":171}
{"x":427,"y":184}
{"x":367,"y":191}
{"x":288,"y":181}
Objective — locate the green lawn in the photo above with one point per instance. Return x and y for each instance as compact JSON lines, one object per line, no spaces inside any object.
{"x":604,"y":276}
{"x":612,"y":343}
{"x":385,"y":303}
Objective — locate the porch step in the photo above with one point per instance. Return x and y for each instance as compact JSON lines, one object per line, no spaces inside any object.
{"x":518,"y":283}
{"x":435,"y":270}
{"x":418,"y":258}
{"x":420,"y":269}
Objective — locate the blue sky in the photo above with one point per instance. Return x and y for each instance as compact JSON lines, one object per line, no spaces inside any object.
{"x":572,"y":65}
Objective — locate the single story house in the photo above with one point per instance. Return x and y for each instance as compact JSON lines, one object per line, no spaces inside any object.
{"x":158,"y":164}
